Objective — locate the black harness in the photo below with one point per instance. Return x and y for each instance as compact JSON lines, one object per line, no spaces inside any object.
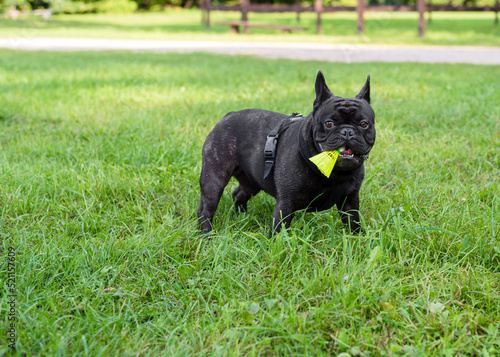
{"x":272,"y":143}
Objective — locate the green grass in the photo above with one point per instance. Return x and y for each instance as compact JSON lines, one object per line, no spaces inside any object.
{"x":99,"y":162}
{"x":471,"y":29}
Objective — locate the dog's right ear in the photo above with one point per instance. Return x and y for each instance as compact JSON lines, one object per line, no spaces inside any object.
{"x":322,"y":91}
{"x":365,"y":91}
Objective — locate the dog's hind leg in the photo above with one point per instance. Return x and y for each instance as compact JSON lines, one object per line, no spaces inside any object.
{"x":212,"y":186}
{"x":243,"y":192}
{"x":240,"y":200}
{"x":215,"y":174}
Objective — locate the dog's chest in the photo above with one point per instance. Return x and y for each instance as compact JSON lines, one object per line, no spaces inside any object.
{"x":323,"y":198}
{"x":323,"y":195}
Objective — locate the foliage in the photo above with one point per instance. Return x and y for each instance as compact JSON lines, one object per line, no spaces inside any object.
{"x":115,"y":6}
{"x":99,"y":165}
{"x":70,"y":6}
{"x":21,"y":4}
{"x":75,"y":6}
{"x":126,"y":6}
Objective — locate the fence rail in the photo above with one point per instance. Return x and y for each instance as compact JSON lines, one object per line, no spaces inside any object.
{"x":245,"y":7}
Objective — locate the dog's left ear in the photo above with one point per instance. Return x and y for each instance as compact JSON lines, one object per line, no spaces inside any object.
{"x":365,"y":91}
{"x":322,"y":91}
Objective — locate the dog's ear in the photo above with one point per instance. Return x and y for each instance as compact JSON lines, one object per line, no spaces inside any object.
{"x":365,"y":91}
{"x":322,"y":91}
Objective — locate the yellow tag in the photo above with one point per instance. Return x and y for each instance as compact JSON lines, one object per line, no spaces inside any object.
{"x":325,"y":161}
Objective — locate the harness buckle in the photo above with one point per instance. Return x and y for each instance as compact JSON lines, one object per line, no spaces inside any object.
{"x":270,"y":148}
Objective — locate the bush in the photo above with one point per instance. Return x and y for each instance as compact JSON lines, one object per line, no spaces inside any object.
{"x":18,"y":4}
{"x":116,"y":6}
{"x":70,"y":7}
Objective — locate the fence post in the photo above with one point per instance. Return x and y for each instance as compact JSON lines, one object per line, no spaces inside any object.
{"x":496,"y":12}
{"x":361,"y":21}
{"x":297,"y":5}
{"x":244,"y":11}
{"x":421,"y":19}
{"x":318,"y":7}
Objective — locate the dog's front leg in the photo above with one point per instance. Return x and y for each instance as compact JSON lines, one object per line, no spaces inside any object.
{"x":349,"y":211}
{"x":283,"y":214}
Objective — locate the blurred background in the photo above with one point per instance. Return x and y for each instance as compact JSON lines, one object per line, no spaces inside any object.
{"x":129,"y":6}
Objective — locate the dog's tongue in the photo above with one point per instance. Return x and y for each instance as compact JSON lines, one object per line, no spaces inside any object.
{"x":346,"y":152}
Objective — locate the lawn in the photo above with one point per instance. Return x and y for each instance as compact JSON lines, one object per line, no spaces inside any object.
{"x":99,"y":162}
{"x":393,"y":28}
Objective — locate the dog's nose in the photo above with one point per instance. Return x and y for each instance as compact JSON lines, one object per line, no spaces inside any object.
{"x":347,"y":132}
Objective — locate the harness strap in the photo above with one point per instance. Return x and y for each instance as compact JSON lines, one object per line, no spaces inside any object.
{"x":306,"y":154}
{"x":272,"y":141}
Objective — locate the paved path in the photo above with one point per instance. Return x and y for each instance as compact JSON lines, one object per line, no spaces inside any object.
{"x":301,"y":51}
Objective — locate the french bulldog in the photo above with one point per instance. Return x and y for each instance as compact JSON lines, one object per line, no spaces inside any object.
{"x":236,"y":145}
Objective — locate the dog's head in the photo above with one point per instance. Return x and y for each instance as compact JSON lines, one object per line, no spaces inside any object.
{"x":347,"y":124}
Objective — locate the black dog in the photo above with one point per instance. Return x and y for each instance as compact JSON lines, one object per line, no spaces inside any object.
{"x":237,"y":144}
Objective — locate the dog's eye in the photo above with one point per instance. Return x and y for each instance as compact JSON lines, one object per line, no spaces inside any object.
{"x":329,"y":124}
{"x":363,"y":124}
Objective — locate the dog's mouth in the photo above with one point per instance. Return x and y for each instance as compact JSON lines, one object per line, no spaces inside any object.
{"x":347,"y":153}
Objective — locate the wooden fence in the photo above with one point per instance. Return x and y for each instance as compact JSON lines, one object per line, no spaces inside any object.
{"x":245,"y":7}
